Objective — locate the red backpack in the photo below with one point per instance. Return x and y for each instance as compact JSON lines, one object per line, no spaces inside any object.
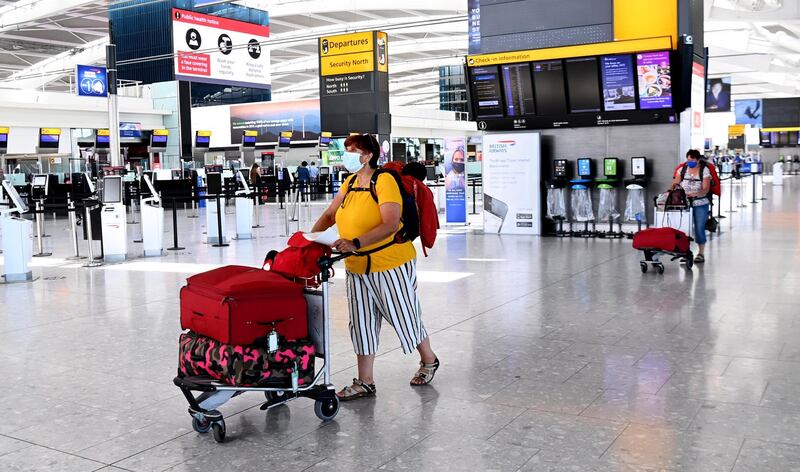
{"x":716,"y":186}
{"x":299,"y":260}
{"x":427,"y":215}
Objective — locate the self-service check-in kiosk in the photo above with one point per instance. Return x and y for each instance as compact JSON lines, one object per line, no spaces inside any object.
{"x":152,"y":221}
{"x":40,"y":189}
{"x":158,"y":145}
{"x":244,"y":210}
{"x":113,"y":220}
{"x":17,"y":237}
{"x":215,"y":210}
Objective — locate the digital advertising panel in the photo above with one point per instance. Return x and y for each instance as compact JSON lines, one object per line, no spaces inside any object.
{"x":655,"y":80}
{"x":269,"y":119}
{"x":718,"y":95}
{"x":748,"y":112}
{"x":216,"y":50}
{"x":619,"y":91}
{"x":455,"y":180}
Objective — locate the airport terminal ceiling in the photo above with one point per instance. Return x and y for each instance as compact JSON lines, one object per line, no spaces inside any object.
{"x":755,"y":42}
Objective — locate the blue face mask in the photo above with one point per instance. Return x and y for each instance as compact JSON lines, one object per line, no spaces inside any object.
{"x":352,"y":161}
{"x":691,"y":164}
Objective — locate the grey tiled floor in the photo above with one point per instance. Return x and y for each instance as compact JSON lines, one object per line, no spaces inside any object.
{"x":558,"y":355}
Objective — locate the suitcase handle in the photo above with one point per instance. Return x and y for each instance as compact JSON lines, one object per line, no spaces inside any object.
{"x":273,"y":323}
{"x":198,"y":313}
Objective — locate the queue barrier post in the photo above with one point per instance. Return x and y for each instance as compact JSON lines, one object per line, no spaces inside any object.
{"x":73,"y":226}
{"x":220,"y":237}
{"x":40,"y":230}
{"x":91,"y":262}
{"x":175,"y":246}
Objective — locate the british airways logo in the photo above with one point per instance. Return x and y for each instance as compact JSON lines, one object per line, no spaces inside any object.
{"x":507,"y":142}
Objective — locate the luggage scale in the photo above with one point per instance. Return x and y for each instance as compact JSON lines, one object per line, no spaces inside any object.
{"x":213,"y":394}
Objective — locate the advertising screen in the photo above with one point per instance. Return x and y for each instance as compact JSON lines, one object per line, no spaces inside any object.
{"x":718,"y":95}
{"x":548,"y":81}
{"x":91,"y":81}
{"x":270,"y":118}
{"x":748,"y":112}
{"x":655,"y":80}
{"x":486,"y":93}
{"x":221,"y":51}
{"x":619,"y":92}
{"x":518,"y":86}
{"x":583,"y":85}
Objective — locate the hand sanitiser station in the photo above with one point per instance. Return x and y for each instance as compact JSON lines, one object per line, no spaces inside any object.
{"x":113,"y":220}
{"x":152,"y":221}
{"x":17,"y":237}
{"x":244,"y":210}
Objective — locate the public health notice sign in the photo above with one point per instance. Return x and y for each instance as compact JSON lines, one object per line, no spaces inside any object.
{"x":511,"y":176}
{"x":222,"y":51}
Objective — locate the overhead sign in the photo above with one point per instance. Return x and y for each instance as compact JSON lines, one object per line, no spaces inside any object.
{"x":165,"y":132}
{"x":5,"y":130}
{"x":92,"y":81}
{"x":204,"y":133}
{"x":216,"y":50}
{"x":103,"y":132}
{"x":130,"y":129}
{"x":50,"y":131}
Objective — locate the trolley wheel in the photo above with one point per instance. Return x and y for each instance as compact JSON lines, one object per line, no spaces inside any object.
{"x":270,"y":396}
{"x":660,"y":268}
{"x":218,"y":428}
{"x":326,"y":409}
{"x":689,"y":262}
{"x":201,"y":426}
{"x":643,"y":266}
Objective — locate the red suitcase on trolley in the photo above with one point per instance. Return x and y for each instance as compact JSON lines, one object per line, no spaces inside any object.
{"x":662,"y":239}
{"x":237,"y":304}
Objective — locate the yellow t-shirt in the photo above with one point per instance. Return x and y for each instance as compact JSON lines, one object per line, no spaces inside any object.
{"x":359,"y":214}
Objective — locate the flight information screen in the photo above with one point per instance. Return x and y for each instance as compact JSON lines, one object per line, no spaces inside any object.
{"x":583,"y":85}
{"x":486,"y":92}
{"x":548,"y":82}
{"x":518,"y":87}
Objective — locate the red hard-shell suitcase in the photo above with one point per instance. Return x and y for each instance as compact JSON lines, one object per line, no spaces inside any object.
{"x":235,"y":304}
{"x":662,"y":239}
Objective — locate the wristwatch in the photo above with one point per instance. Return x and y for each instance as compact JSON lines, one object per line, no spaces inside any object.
{"x":356,"y":243}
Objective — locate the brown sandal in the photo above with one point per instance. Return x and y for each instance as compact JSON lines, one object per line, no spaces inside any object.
{"x":359,"y":389}
{"x":425,"y":373}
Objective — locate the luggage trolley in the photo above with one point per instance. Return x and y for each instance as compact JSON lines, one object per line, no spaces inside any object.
{"x":213,"y":394}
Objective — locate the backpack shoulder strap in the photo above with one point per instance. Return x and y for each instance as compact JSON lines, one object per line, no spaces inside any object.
{"x":683,"y":171}
{"x":373,"y":184}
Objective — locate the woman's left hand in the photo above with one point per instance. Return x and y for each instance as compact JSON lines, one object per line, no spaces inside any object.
{"x":344,"y":245}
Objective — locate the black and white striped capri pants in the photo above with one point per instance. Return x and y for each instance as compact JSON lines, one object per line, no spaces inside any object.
{"x":392,"y":295}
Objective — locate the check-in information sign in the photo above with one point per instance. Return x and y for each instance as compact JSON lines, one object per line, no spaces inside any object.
{"x":217,"y":50}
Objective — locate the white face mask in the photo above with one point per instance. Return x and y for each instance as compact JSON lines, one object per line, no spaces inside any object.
{"x":352,"y":161}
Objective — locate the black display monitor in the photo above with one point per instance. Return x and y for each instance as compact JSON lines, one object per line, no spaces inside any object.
{"x":619,"y":89}
{"x":560,"y":168}
{"x":639,"y":166}
{"x":583,"y":85}
{"x":214,"y":183}
{"x":3,"y":142}
{"x":249,"y":141}
{"x":548,"y":85}
{"x":486,"y":92}
{"x":48,"y":141}
{"x":763,"y":138}
{"x":783,"y":138}
{"x":430,"y":173}
{"x":158,"y":141}
{"x":202,"y":141}
{"x":102,"y":142}
{"x":518,"y":88}
{"x":325,"y":139}
{"x":792,"y":138}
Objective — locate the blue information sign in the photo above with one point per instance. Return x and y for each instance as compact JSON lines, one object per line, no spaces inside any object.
{"x":92,"y":81}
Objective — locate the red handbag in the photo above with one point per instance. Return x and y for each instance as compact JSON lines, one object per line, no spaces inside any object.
{"x":299,"y":260}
